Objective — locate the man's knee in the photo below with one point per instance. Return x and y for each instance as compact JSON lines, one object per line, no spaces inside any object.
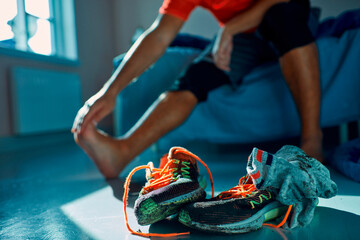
{"x":286,"y":25}
{"x":200,"y":78}
{"x":183,"y":96}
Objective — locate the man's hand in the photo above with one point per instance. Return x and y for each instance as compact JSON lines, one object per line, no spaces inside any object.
{"x":94,"y":109}
{"x":222,"y":49}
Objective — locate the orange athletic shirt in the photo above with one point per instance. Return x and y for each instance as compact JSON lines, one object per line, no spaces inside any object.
{"x":223,"y":10}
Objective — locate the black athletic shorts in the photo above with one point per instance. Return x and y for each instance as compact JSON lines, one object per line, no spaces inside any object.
{"x":283,"y":28}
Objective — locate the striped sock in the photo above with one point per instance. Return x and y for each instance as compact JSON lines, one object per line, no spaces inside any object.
{"x":258,"y":166}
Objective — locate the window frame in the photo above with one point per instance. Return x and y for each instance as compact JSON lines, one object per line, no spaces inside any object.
{"x":63,"y":30}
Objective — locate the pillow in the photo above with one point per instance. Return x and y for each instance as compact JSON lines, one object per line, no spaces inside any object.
{"x":346,"y":159}
{"x":189,"y":40}
{"x":336,"y":26}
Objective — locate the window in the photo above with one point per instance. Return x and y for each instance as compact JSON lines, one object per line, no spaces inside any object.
{"x":45,"y":27}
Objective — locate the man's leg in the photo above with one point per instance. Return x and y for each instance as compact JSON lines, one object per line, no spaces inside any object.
{"x":111,"y":155}
{"x":285,"y":25}
{"x":169,"y":111}
{"x":300,"y":67}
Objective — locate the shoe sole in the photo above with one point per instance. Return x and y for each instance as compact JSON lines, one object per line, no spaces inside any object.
{"x":151,"y":212}
{"x":269,"y":212}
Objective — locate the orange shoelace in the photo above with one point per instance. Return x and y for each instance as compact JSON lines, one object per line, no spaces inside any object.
{"x":283,"y":221}
{"x":244,"y":189}
{"x":159,"y":177}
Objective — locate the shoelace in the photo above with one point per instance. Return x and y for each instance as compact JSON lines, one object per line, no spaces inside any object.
{"x":160,"y":177}
{"x":244,"y":189}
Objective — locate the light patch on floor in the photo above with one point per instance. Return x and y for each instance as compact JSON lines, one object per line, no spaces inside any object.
{"x":101,"y":215}
{"x":346,"y":203}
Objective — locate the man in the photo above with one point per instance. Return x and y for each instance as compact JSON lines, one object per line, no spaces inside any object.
{"x":249,"y":27}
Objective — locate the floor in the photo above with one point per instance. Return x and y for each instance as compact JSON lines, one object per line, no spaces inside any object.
{"x":57,"y":193}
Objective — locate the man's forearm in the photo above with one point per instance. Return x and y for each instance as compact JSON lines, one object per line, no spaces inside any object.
{"x":251,"y":17}
{"x":144,"y":52}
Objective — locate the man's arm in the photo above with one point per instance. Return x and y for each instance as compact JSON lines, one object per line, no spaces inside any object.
{"x":246,"y":20}
{"x":150,"y":46}
{"x":145,"y":51}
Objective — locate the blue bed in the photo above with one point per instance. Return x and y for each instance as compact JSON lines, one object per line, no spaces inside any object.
{"x":262,"y":108}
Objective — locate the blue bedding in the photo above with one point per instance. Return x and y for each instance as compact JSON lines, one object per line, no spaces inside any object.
{"x":262,"y":108}
{"x":336,"y":26}
{"x":346,"y":159}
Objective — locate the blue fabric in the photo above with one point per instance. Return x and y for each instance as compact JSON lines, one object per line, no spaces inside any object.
{"x":190,"y":41}
{"x":298,"y":180}
{"x":346,"y":159}
{"x":262,"y":108}
{"x":337,"y":26}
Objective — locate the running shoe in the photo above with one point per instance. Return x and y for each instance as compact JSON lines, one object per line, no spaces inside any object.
{"x":175,"y":183}
{"x":241,"y":209}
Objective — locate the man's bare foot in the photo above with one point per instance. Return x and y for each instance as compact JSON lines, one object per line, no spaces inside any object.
{"x":312,"y":146}
{"x":110,"y":155}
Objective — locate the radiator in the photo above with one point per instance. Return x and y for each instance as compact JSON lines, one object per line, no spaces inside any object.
{"x":43,"y":101}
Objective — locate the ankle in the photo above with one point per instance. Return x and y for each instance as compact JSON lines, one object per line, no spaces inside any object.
{"x":124,"y":148}
{"x":118,"y":158}
{"x":316,"y":135}
{"x":313,"y":146}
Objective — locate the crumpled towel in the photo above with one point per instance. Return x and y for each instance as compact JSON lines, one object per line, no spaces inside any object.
{"x":297,"y":178}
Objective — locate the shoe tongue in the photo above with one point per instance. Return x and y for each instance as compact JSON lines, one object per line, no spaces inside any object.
{"x":178,"y":153}
{"x":182,"y":154}
{"x":163,"y":160}
{"x":247,"y":180}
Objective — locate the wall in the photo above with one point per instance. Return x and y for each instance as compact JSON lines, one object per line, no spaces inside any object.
{"x":332,"y":8}
{"x":141,"y":13}
{"x":96,"y":48}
